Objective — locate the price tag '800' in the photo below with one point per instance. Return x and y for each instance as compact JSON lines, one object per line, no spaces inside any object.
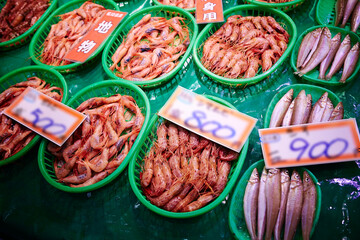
{"x":44,"y":115}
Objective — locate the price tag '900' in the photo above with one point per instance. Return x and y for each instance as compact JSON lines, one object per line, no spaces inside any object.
{"x":209,"y":119}
{"x":44,"y":115}
{"x":310,"y":144}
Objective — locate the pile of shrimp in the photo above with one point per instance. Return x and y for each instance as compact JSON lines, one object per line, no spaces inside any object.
{"x":14,"y":136}
{"x":101,"y":143}
{"x":151,"y":49}
{"x":179,"y":3}
{"x":243,"y":44}
{"x":184,"y":172}
{"x":17,"y":16}
{"x":68,"y":32}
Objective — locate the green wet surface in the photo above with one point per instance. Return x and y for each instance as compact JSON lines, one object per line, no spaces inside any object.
{"x":31,"y":208}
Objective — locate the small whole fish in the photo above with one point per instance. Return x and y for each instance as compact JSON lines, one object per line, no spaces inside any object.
{"x":307,"y":109}
{"x":339,"y":10}
{"x":355,"y":18}
{"x":299,"y":108}
{"x":338,"y":112}
{"x":328,"y":110}
{"x":350,"y":62}
{"x":318,"y":109}
{"x":340,"y":56}
{"x":261,"y":220}
{"x":273,"y":199}
{"x":250,"y":203}
{"x":285,"y":184}
{"x":305,"y":47}
{"x":314,"y":41}
{"x":324,"y":65}
{"x":309,"y":204}
{"x":293,"y":206}
{"x":349,"y":7}
{"x":288,"y":115}
{"x":280,"y":109}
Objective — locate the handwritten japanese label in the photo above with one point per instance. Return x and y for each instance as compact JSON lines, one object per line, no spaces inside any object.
{"x":209,"y":119}
{"x":44,"y":115}
{"x":209,"y":11}
{"x":96,"y":36}
{"x":310,"y":144}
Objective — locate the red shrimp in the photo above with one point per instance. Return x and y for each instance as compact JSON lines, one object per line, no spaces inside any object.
{"x":224,"y":170}
{"x":162,"y":140}
{"x":227,"y":154}
{"x":81,"y":175}
{"x":213,"y":172}
{"x":204,"y":162}
{"x":173,"y":137}
{"x":158,"y":183}
{"x":202,"y":144}
{"x":200,"y":202}
{"x":174,"y":163}
{"x":166,"y":196}
{"x":99,"y":163}
{"x":148,"y":168}
{"x":175,"y":200}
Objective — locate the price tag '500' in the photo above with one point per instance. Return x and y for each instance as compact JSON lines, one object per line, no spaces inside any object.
{"x":44,"y":115}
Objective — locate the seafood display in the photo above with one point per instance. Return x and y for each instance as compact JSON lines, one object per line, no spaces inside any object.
{"x":179,"y":3}
{"x":275,"y":203}
{"x":243,"y":44}
{"x":275,"y":1}
{"x":343,"y":10}
{"x":152,"y":48}
{"x":101,"y":143}
{"x":68,"y":32}
{"x":17,"y":16}
{"x":183,"y":172}
{"x":13,"y":135}
{"x":300,"y":110}
{"x":319,"y":48}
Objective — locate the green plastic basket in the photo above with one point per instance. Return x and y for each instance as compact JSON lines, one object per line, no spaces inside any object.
{"x":236,"y":213}
{"x":137,"y":162}
{"x":285,"y":7}
{"x":159,"y":11}
{"x":313,"y":75}
{"x":20,"y":75}
{"x":25,"y":37}
{"x":100,"y":89}
{"x":245,"y":10}
{"x":190,"y":10}
{"x":36,"y":45}
{"x":325,"y":14}
{"x":315,"y":92}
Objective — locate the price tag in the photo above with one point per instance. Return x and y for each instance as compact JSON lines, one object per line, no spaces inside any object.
{"x":209,"y":119}
{"x":310,"y":144}
{"x":44,"y":115}
{"x":209,"y":11}
{"x":96,"y":36}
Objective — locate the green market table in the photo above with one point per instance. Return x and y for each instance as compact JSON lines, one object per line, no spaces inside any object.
{"x":31,"y":208}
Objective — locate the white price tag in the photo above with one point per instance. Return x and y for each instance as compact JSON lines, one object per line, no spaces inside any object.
{"x":209,"y":119}
{"x":44,"y":115}
{"x":310,"y":144}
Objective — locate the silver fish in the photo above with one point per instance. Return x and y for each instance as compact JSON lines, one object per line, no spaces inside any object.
{"x":280,"y":109}
{"x":288,"y":115}
{"x":318,"y":109}
{"x":324,"y":65}
{"x":315,"y":42}
{"x":307,"y":109}
{"x":340,"y":56}
{"x":355,"y":18}
{"x":349,"y":7}
{"x":306,"y":45}
{"x":250,"y":203}
{"x":273,"y":195}
{"x":299,"y":108}
{"x":293,"y":206}
{"x":328,"y":110}
{"x":285,"y":184}
{"x":338,"y":112}
{"x":309,"y":205}
{"x":350,"y":62}
{"x":339,"y":9}
{"x":320,"y":54}
{"x":261,"y":220}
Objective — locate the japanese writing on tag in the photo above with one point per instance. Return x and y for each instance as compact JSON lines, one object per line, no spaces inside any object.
{"x":96,"y":36}
{"x":44,"y":115}
{"x":310,"y":144}
{"x":209,"y":119}
{"x":209,"y":11}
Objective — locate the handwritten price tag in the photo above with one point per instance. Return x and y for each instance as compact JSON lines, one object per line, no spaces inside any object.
{"x":96,"y":36}
{"x":209,"y":11}
{"x":45,"y":116}
{"x":209,"y":119}
{"x":310,"y":144}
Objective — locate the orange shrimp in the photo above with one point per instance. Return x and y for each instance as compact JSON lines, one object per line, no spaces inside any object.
{"x":213,"y":173}
{"x":166,"y":196}
{"x":224,"y":170}
{"x":200,"y":202}
{"x":174,"y":163}
{"x":82,"y":174}
{"x":204,"y":162}
{"x":268,"y":58}
{"x":158,"y":182}
{"x":253,"y":67}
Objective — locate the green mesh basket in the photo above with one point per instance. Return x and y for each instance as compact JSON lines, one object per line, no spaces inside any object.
{"x":190,"y":10}
{"x":100,"y":89}
{"x":137,"y":163}
{"x":236,"y":212}
{"x":36,"y":45}
{"x":325,"y":14}
{"x":25,"y":37}
{"x":285,"y":7}
{"x":245,"y":10}
{"x":20,"y":75}
{"x":315,"y":92}
{"x":158,"y":11}
{"x":313,"y":75}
